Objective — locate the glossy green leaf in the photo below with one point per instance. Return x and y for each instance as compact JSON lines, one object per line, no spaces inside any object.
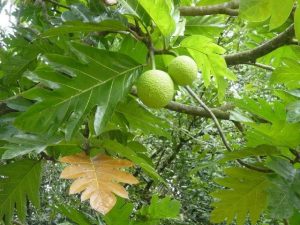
{"x":261,"y":10}
{"x":255,"y":10}
{"x":204,"y":25}
{"x":78,"y":26}
{"x":246,"y":195}
{"x":100,"y":82}
{"x":161,"y":13}
{"x":19,"y":182}
{"x":280,"y":12}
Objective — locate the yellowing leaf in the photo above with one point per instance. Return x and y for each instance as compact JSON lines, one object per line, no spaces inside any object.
{"x":98,"y":179}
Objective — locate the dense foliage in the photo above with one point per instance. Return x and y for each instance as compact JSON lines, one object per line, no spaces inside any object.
{"x":225,"y":150}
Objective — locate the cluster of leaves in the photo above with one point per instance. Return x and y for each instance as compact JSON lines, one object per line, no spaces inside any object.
{"x":66,"y":81}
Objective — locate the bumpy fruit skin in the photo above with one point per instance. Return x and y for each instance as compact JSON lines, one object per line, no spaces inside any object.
{"x":155,"y":88}
{"x":183,"y":70}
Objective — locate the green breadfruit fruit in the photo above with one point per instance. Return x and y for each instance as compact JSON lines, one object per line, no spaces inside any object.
{"x":183,"y":70}
{"x":155,"y":88}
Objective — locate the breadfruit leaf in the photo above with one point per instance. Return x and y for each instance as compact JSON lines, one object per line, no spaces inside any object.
{"x":19,"y":182}
{"x":245,"y":196}
{"x":98,"y":179}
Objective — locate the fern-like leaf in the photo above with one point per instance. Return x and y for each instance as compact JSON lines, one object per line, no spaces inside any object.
{"x":246,"y":195}
{"x":19,"y":181}
{"x":97,"y":178}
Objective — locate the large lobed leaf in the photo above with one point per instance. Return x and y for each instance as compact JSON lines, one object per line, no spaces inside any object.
{"x":97,"y":79}
{"x":19,"y":182}
{"x":246,"y":195}
{"x":98,"y":179}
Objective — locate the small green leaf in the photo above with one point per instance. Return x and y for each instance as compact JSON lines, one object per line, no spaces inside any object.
{"x":19,"y":181}
{"x":158,"y":209}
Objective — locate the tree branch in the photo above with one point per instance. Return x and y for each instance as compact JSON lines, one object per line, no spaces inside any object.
{"x":259,"y":65}
{"x":229,"y":8}
{"x":220,"y":113}
{"x":251,"y":55}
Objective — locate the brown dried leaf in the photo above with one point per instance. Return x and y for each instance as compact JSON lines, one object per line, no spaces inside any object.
{"x":98,"y":179}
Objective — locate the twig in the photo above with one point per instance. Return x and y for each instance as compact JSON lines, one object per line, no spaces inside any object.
{"x":229,"y":8}
{"x":193,"y":94}
{"x":251,"y":55}
{"x":266,"y":67}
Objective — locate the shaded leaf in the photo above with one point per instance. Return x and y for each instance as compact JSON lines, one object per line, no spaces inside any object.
{"x":19,"y":182}
{"x":246,"y":195}
{"x":282,"y":199}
